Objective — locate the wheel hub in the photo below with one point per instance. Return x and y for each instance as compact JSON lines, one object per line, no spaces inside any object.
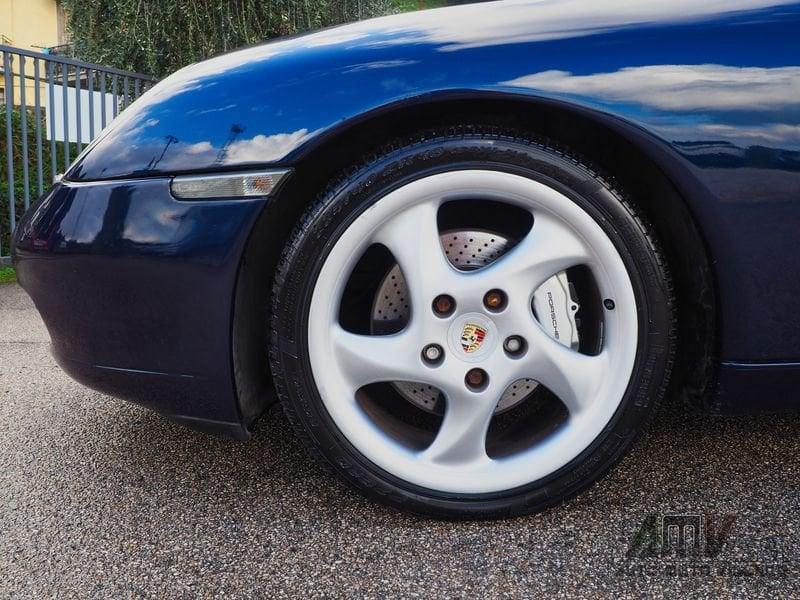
{"x":472,"y":337}
{"x":468,"y":250}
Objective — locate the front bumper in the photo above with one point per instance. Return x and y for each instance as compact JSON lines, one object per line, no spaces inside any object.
{"x":137,"y":290}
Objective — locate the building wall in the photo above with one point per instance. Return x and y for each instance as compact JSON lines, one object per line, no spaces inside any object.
{"x":30,"y":25}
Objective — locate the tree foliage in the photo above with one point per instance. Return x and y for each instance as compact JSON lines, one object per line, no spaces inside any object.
{"x":160,"y":36}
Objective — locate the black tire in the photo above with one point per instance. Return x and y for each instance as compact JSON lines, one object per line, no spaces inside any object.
{"x":365,"y":184}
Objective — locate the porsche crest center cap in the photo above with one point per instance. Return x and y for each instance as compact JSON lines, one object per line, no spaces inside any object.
{"x":472,"y":337}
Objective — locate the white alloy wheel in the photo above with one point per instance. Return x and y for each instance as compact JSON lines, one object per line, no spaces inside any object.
{"x":471,"y":324}
{"x":591,"y":387}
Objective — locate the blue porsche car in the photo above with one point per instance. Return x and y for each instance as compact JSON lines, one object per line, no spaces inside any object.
{"x":468,"y":249}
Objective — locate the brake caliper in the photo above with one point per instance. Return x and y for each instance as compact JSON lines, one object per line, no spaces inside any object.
{"x":555,"y":308}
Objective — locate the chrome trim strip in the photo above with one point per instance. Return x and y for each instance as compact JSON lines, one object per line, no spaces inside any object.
{"x":279,"y":175}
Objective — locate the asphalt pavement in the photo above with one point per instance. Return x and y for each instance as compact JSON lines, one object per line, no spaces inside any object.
{"x":100,"y":498}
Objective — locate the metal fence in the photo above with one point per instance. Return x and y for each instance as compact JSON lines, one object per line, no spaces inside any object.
{"x":50,"y":107}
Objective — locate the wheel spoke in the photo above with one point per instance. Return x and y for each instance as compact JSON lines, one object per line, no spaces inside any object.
{"x":413,"y":239}
{"x":365,"y":359}
{"x":574,"y":377}
{"x":549,"y":247}
{"x":462,"y":436}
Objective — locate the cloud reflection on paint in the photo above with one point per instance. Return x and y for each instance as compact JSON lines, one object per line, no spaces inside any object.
{"x":257,"y":149}
{"x":265,"y":148}
{"x":524,"y":21}
{"x":775,"y":134}
{"x":199,"y":148}
{"x":716,"y":94}
{"x":679,"y":87}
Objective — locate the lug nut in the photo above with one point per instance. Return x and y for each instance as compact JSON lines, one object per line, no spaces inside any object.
{"x":476,"y":379}
{"x":494,"y":300}
{"x":432,"y":353}
{"x":514,"y":344}
{"x":444,"y":305}
{"x":609,"y":303}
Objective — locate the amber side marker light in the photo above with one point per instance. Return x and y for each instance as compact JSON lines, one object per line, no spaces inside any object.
{"x":253,"y":184}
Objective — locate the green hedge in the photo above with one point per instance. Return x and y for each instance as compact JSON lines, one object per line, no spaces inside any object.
{"x":7,"y":275}
{"x":19,"y":160}
{"x":160,"y":36}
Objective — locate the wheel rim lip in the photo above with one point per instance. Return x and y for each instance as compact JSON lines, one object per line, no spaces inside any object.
{"x":495,"y":475}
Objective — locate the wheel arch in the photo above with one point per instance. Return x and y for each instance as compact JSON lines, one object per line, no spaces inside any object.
{"x":657,"y":180}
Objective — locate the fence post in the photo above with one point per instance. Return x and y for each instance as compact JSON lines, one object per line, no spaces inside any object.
{"x":78,"y":109}
{"x":50,"y":117}
{"x":9,"y":88}
{"x":103,"y":100}
{"x":23,"y":116}
{"x":90,"y":87}
{"x":65,"y":104}
{"x":37,"y":82}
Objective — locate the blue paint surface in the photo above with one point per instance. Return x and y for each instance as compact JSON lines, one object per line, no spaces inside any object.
{"x":130,"y":280}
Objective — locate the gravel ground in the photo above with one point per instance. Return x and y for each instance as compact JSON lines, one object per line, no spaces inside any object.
{"x":102,"y":498}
